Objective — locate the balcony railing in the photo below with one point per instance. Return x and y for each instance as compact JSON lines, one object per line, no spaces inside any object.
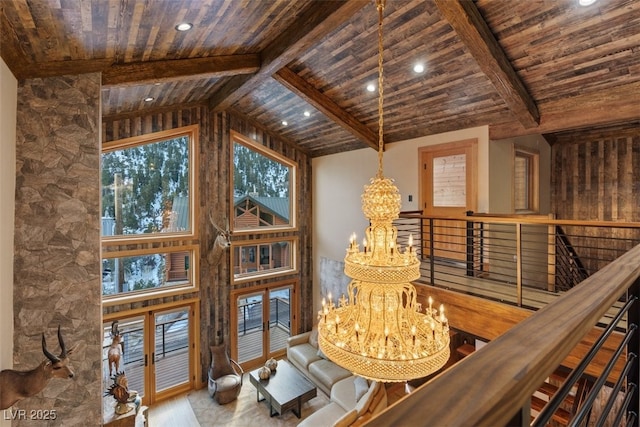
{"x":250,"y":315}
{"x":494,"y":385}
{"x":520,"y":260}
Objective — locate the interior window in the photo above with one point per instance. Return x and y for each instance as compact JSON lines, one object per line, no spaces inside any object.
{"x":525,"y":178}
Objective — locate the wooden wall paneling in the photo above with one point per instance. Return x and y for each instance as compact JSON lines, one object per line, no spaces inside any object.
{"x":215,"y":199}
{"x":596,"y":176}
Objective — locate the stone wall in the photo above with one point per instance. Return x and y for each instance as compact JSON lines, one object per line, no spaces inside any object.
{"x":8,"y":104}
{"x":57,"y":243}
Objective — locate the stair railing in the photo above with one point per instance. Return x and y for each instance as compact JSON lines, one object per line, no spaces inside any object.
{"x":493,"y":386}
{"x":520,"y":252}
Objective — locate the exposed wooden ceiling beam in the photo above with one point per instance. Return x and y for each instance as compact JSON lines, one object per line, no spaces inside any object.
{"x":158,"y":71}
{"x":58,"y":68}
{"x":474,"y":32}
{"x":144,"y":72}
{"x":323,"y":103}
{"x":318,"y":20}
{"x":577,"y":112}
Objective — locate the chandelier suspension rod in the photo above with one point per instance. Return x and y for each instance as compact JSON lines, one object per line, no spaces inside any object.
{"x":380,"y":6}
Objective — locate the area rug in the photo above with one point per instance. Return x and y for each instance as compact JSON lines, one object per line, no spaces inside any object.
{"x":246,"y":410}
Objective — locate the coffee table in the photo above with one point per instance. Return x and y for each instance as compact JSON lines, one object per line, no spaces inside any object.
{"x":286,"y":389}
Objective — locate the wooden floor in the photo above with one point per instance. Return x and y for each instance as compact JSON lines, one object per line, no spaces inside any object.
{"x":174,"y":412}
{"x":454,"y":278}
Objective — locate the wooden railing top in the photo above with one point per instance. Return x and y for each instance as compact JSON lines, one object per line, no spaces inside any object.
{"x":488,"y":387}
{"x":523,"y":219}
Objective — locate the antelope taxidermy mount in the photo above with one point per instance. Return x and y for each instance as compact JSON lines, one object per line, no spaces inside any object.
{"x":114,"y":354}
{"x":220,"y":244}
{"x":18,"y":385}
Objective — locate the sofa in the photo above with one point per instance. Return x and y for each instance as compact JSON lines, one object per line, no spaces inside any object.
{"x":353,"y":399}
{"x":304,"y":354}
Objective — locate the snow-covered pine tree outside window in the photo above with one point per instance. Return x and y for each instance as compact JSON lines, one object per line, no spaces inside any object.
{"x":147,"y":187}
{"x":263,"y":185}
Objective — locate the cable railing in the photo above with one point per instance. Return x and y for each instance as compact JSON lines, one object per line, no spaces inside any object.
{"x":495,"y":385}
{"x":521,"y":260}
{"x":250,"y":315}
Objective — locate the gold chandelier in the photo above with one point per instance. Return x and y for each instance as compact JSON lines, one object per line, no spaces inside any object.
{"x":379,"y":330}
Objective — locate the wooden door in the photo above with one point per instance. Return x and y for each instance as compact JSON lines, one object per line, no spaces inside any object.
{"x":263,"y":319}
{"x":448,"y":189}
{"x":157,"y":350}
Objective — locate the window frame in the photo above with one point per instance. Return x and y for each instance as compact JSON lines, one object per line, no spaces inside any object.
{"x":258,"y":274}
{"x":159,"y":243}
{"x":532,"y":180}
{"x":236,"y":137}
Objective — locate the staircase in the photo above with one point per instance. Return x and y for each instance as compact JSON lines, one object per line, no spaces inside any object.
{"x":549,"y":388}
{"x":546,"y":391}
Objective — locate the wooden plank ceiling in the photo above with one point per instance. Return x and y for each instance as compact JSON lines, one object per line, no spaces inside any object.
{"x":545,"y":67}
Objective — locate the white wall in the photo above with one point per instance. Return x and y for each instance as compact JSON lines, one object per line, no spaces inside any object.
{"x":501,"y":178}
{"x":339,"y":179}
{"x":8,"y":103}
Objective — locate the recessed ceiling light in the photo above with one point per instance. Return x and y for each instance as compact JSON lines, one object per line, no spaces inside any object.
{"x":185,"y":26}
{"x":307,"y":113}
{"x":284,"y":123}
{"x":586,"y":2}
{"x":418,"y":68}
{"x":149,"y":98}
{"x":371,"y":87}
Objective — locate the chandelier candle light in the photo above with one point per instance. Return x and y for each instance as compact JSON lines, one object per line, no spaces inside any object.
{"x":379,"y":330}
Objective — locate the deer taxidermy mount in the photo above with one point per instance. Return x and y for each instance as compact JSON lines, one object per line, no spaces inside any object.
{"x":220,"y":244}
{"x":18,"y":385}
{"x":114,"y":354}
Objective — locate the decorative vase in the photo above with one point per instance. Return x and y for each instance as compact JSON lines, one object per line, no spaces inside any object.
{"x":272,"y":364}
{"x":264,"y":373}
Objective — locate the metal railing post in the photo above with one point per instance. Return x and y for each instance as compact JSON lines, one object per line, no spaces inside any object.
{"x":432,"y":263}
{"x":163,"y":340}
{"x":633,"y":377}
{"x":244,"y":320}
{"x":519,"y":264}
{"x":470,"y":266}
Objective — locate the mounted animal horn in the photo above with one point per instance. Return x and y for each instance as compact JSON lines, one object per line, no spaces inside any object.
{"x":63,"y":348}
{"x":221,"y":242}
{"x":51,"y":357}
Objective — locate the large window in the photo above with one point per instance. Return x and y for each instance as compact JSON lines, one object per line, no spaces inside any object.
{"x":148,"y":211}
{"x":262,"y":187}
{"x":263,"y":183}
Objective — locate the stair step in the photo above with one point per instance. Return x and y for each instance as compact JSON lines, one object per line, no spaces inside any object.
{"x":559,"y":375}
{"x":550,"y":390}
{"x":561,"y":416}
{"x":465,"y":349}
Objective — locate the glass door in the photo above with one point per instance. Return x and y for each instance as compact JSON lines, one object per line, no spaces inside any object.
{"x":280,"y":314}
{"x":263,"y":321}
{"x":123,"y":352}
{"x":154,"y":349}
{"x":171,"y":353}
{"x":250,"y":327}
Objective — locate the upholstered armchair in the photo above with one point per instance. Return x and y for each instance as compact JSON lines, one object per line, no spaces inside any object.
{"x":225,"y":376}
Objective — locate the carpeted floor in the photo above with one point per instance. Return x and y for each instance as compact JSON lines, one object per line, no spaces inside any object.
{"x":246,"y":411}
